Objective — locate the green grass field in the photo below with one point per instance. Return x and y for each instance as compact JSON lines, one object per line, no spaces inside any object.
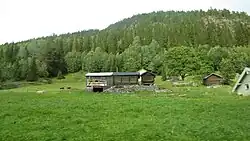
{"x":187,"y":114}
{"x":76,"y":81}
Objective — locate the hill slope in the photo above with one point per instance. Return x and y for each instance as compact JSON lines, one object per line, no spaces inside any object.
{"x":148,"y":41}
{"x":188,"y":114}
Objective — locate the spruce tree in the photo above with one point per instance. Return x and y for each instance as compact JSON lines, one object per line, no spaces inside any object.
{"x":32,"y":73}
{"x":163,"y":74}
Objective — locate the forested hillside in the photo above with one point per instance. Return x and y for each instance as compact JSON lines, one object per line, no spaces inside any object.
{"x":171,"y":43}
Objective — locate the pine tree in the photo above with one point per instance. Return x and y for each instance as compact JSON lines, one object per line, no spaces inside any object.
{"x":17,"y":71}
{"x":163,"y":74}
{"x":32,"y":73}
{"x":75,"y":46}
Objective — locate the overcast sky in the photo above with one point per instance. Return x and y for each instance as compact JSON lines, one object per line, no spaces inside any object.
{"x":25,"y":19}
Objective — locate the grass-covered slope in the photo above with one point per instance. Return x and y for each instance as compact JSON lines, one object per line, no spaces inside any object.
{"x":74,"y":80}
{"x":189,"y":113}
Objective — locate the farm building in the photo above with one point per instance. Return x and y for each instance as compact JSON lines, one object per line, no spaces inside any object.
{"x":146,"y":77}
{"x":99,"y":81}
{"x":242,"y":86}
{"x":103,"y":80}
{"x":213,"y":79}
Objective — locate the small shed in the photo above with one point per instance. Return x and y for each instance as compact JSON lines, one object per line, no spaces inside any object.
{"x":213,"y":79}
{"x":146,"y":77}
{"x":126,"y":78}
{"x":242,"y":86}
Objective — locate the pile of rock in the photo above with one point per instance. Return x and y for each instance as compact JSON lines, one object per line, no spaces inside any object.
{"x":134,"y":88}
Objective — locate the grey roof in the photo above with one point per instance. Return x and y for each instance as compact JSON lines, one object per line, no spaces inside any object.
{"x":100,"y":74}
{"x":113,"y":74}
{"x":211,"y":75}
{"x":237,"y":84}
{"x":126,"y":73}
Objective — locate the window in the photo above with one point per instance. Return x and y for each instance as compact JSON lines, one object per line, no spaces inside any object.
{"x":247,"y":86}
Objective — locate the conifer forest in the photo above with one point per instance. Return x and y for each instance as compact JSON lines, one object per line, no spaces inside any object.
{"x":172,"y":43}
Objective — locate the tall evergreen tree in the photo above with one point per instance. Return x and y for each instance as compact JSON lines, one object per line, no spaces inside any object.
{"x":163,"y":74}
{"x":32,"y":73}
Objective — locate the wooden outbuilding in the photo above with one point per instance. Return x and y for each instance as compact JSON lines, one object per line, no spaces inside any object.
{"x":146,"y":77}
{"x":103,"y":80}
{"x":213,"y":79}
{"x":99,"y":81}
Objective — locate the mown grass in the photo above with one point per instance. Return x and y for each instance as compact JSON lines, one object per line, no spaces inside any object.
{"x":188,"y":113}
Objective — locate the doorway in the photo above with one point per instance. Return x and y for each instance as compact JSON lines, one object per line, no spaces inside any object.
{"x":97,"y":89}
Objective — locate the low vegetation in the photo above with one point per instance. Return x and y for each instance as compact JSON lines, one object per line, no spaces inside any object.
{"x":76,"y":82}
{"x":187,"y":113}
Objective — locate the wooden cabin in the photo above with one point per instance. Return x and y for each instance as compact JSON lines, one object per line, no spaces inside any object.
{"x":146,"y":78}
{"x":213,"y":79}
{"x":103,"y":80}
{"x":99,"y":81}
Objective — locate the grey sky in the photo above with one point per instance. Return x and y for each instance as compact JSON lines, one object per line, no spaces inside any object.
{"x":25,"y":19}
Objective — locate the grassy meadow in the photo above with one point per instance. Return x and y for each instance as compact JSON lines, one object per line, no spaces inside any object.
{"x":186,"y":114}
{"x":76,"y":81}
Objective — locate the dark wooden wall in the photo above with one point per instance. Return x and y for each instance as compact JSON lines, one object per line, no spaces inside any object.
{"x":147,"y":78}
{"x":213,"y":80}
{"x":125,"y":80}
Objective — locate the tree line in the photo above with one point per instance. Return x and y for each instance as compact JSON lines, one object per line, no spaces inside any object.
{"x":168,"y":43}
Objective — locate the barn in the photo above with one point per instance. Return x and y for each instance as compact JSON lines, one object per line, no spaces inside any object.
{"x":103,"y":80}
{"x":213,"y":79}
{"x":99,"y":81}
{"x":146,"y":77}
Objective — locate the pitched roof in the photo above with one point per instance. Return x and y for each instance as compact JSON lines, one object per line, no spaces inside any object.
{"x":143,"y":71}
{"x":100,"y":74}
{"x":211,"y":75}
{"x":126,"y":73}
{"x":237,"y":84}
